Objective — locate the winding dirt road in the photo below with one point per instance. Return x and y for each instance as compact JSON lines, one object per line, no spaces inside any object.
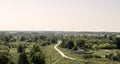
{"x":61,"y":53}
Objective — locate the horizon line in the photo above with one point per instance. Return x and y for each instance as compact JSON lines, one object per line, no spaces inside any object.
{"x":52,"y":31}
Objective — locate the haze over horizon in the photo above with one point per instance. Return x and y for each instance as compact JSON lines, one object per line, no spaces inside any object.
{"x":60,"y":15}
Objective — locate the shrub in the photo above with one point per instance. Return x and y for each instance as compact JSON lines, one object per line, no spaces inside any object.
{"x":69,"y":44}
{"x":4,"y":57}
{"x":80,"y":42}
{"x":38,"y":58}
{"x":109,"y":56}
{"x":116,"y":58}
{"x":45,"y":43}
{"x":87,"y":56}
{"x":36,"y":55}
{"x":95,"y":47}
{"x":3,"y":47}
{"x":107,"y":46}
{"x":23,"y":58}
{"x":113,"y":57}
{"x":21,"y":48}
{"x":96,"y":56}
{"x":10,"y":62}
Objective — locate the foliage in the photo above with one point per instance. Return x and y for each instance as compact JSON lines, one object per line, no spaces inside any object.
{"x":38,"y":58}
{"x":21,"y":48}
{"x":93,"y":41}
{"x":69,"y":44}
{"x":107,"y":46}
{"x":87,"y":56}
{"x":80,"y":42}
{"x":4,"y":57}
{"x":95,"y":47}
{"x":36,"y":55}
{"x":115,"y":57}
{"x":117,"y":42}
{"x":3,"y":47}
{"x":23,"y":58}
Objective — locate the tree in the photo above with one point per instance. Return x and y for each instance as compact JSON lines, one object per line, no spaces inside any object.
{"x":4,"y":57}
{"x":22,"y":38}
{"x":80,"y":42}
{"x":10,"y":62}
{"x":35,"y":49}
{"x":117,"y":42}
{"x":53,"y":40}
{"x":64,"y":42}
{"x":36,"y":55}
{"x":69,"y":44}
{"x":38,"y":58}
{"x":21,"y":48}
{"x":23,"y":58}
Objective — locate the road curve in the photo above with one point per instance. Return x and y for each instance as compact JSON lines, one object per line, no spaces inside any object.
{"x":61,"y":53}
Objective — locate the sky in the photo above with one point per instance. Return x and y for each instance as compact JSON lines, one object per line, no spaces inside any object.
{"x":60,"y":15}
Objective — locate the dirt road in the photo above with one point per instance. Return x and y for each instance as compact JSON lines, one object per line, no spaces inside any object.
{"x":61,"y":53}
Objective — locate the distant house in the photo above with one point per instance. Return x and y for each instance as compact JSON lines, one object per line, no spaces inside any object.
{"x":81,"y":51}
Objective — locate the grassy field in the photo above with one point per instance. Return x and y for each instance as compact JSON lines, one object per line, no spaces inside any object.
{"x":80,"y":60}
{"x":53,"y":57}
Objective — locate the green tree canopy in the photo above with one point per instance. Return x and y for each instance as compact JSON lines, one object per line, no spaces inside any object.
{"x":23,"y":58}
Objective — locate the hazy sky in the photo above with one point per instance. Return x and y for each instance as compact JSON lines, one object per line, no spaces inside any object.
{"x":60,"y":15}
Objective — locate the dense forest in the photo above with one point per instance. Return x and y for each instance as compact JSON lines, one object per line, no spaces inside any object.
{"x":38,"y":47}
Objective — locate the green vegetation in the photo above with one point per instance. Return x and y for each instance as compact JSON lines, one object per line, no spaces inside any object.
{"x":36,"y":55}
{"x":38,"y":47}
{"x":23,"y":58}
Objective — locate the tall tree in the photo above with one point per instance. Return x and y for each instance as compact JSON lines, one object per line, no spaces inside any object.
{"x":69,"y":44}
{"x":37,"y":56}
{"x":23,"y":58}
{"x":80,"y":42}
{"x":117,"y":42}
{"x":4,"y":57}
{"x":21,"y":48}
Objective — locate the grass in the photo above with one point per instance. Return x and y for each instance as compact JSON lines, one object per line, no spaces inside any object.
{"x":80,"y":60}
{"x":14,"y":55}
{"x":53,"y":57}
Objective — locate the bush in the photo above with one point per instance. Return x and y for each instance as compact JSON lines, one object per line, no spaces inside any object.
{"x":69,"y":44}
{"x":23,"y":58}
{"x":10,"y":62}
{"x":4,"y":57}
{"x":38,"y":58}
{"x":3,"y":47}
{"x":113,"y":57}
{"x":36,"y":55}
{"x":95,"y":47}
{"x":109,"y":56}
{"x":21,"y":48}
{"x":96,"y":56}
{"x":87,"y":56}
{"x":107,"y":46}
{"x":80,"y":42}
{"x":45,"y":43}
